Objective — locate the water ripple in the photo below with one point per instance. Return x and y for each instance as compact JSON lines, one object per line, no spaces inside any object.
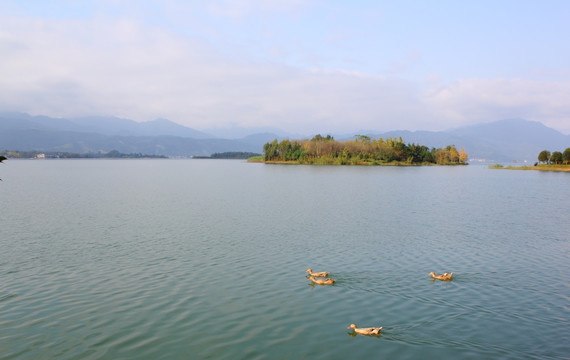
{"x":204,"y":267}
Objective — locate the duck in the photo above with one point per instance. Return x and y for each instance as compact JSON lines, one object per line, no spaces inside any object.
{"x":322,"y":281}
{"x":443,"y":277}
{"x":317,"y":274}
{"x":365,"y":331}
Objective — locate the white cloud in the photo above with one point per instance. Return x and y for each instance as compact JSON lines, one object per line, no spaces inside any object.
{"x":479,"y":100}
{"x":118,"y":66}
{"x":243,"y":8}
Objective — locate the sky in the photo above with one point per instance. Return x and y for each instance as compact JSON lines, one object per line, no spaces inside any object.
{"x":299,"y":66}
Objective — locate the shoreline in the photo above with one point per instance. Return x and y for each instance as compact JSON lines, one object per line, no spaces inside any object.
{"x":362,"y":163}
{"x":555,"y":168}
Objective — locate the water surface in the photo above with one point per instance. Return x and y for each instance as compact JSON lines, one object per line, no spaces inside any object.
{"x":178,"y":259}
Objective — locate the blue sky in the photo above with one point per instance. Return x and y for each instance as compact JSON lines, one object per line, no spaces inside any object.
{"x":301,"y":66}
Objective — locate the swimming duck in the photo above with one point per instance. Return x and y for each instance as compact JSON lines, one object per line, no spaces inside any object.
{"x":365,"y":331}
{"x":443,"y":277}
{"x":317,"y":274}
{"x":322,"y":281}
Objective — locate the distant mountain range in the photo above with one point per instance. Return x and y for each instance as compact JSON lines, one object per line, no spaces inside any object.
{"x":500,"y":141}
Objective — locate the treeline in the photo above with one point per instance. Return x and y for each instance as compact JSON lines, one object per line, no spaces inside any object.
{"x":113,"y":154}
{"x":556,"y":157}
{"x":229,"y":155}
{"x":361,"y":150}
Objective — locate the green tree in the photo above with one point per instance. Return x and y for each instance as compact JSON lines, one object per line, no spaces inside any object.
{"x":319,"y":137}
{"x":270,"y":150}
{"x":266,"y":149}
{"x":297,"y":151}
{"x":363,"y":149}
{"x":284,"y":149}
{"x":363,"y":138}
{"x":566,"y":156}
{"x":544,"y":156}
{"x":556,"y":157}
{"x":428,"y":156}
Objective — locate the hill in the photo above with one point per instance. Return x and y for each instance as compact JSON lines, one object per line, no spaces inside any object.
{"x":104,"y":125}
{"x":499,"y":141}
{"x":102,"y":134}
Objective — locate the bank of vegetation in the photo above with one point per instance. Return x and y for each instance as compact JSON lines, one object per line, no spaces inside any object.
{"x":229,"y":155}
{"x":113,"y":154}
{"x":555,"y":161}
{"x":363,"y":150}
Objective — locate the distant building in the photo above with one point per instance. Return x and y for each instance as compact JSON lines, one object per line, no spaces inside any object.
{"x":40,"y":156}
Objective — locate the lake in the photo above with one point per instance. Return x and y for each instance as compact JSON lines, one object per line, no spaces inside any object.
{"x":206,"y":259}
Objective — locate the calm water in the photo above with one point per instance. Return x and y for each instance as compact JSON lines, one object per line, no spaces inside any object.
{"x":206,"y":259}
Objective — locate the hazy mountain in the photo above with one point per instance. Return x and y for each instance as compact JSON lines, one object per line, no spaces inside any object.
{"x":260,"y":139}
{"x":105,"y":125}
{"x":236,"y":132}
{"x":167,"y":127}
{"x":511,"y":139}
{"x":501,"y":141}
{"x":78,"y":142}
{"x":125,"y":127}
{"x":20,"y":121}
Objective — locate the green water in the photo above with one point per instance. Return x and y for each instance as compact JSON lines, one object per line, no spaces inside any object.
{"x":206,"y":259}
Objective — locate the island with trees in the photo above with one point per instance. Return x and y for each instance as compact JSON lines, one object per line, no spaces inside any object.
{"x":555,"y":161}
{"x":363,"y":150}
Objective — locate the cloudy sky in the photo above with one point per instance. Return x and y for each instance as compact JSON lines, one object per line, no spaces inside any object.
{"x":301,"y":66}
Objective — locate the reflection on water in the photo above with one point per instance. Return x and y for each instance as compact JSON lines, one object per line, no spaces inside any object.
{"x":207,"y":259}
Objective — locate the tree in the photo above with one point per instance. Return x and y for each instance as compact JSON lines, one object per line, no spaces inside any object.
{"x":317,"y":140}
{"x":440,"y":156}
{"x":428,"y":156}
{"x":544,"y":156}
{"x":453,"y":154}
{"x":415,"y":152}
{"x":463,"y":155}
{"x":270,"y":150}
{"x":363,"y":138}
{"x":284,"y":149}
{"x":326,"y":150}
{"x":556,"y":157}
{"x":566,"y":156}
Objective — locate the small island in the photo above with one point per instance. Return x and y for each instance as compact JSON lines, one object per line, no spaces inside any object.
{"x":557,"y":161}
{"x":363,"y":150}
{"x":231,"y":155}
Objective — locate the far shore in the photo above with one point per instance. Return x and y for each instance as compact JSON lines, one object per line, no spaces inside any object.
{"x":558,"y":168}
